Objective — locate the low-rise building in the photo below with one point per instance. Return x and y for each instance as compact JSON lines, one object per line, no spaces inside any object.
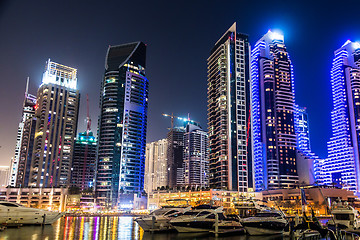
{"x":225,"y":198}
{"x":44,"y":198}
{"x":318,"y":198}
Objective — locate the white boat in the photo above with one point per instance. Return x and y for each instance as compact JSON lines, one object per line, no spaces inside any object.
{"x":247,"y":207}
{"x":199,"y":219}
{"x":228,"y":226}
{"x":265,"y":222}
{"x":159,"y":220}
{"x":345,"y":216}
{"x":13,"y":213}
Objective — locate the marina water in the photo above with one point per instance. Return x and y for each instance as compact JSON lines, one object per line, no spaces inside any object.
{"x":106,"y":228}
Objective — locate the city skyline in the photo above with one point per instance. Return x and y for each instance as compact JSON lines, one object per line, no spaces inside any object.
{"x":74,"y":54}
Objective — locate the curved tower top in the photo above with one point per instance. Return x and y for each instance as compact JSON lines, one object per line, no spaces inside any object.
{"x":118,"y":55}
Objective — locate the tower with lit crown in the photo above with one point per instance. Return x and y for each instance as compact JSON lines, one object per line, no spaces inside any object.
{"x":342,"y":166}
{"x":273,"y":109}
{"x":56,"y":123}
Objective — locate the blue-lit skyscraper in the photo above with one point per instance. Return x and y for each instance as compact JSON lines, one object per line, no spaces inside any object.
{"x":122,"y":126}
{"x":273,"y":107}
{"x":342,"y":165}
{"x":306,"y":160}
{"x":302,"y":129}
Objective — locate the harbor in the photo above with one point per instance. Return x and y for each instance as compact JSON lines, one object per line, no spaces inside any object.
{"x":249,"y":219}
{"x":101,"y":228}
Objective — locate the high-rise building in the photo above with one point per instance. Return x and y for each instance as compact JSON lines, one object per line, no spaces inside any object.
{"x":28,"y":111}
{"x":273,"y":109}
{"x":122,"y":126}
{"x":56,"y":123}
{"x":4,"y":176}
{"x":229,"y":119}
{"x":156,"y":165}
{"x":196,"y":157}
{"x":302,"y":129}
{"x":342,"y":166}
{"x":26,"y":151}
{"x":84,"y":161}
{"x":305,"y":158}
{"x":175,"y":139}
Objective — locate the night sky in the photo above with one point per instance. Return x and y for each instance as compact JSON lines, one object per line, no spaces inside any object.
{"x":179,"y":36}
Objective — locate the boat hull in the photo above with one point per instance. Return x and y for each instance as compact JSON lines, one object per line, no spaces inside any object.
{"x":194,"y":226}
{"x":159,"y":224}
{"x":29,"y":218}
{"x":264,"y":228}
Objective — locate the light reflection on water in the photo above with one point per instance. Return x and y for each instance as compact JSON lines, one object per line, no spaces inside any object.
{"x":103,"y":228}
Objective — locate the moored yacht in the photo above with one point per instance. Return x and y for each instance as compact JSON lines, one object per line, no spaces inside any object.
{"x":13,"y":213}
{"x":159,"y":219}
{"x":200,"y":219}
{"x":345,"y":216}
{"x":265,"y":222}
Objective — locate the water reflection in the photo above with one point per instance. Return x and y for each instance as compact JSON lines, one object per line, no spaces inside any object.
{"x":103,"y":228}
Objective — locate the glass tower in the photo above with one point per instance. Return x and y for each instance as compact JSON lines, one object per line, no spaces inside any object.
{"x":122,"y":125}
{"x":196,"y":157}
{"x":229,"y":121}
{"x":273,"y":109}
{"x":84,"y":160}
{"x":342,"y":165}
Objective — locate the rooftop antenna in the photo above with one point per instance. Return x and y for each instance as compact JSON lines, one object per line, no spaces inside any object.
{"x":27,"y":87}
{"x":88,"y":119}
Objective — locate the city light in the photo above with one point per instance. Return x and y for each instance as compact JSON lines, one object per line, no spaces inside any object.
{"x":276,"y":35}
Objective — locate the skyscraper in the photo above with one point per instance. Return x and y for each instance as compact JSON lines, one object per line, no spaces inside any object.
{"x":175,"y":139}
{"x":342,"y":165}
{"x":56,"y":123}
{"x":305,"y":158}
{"x":28,"y":111}
{"x":273,"y":107}
{"x":156,"y":165}
{"x":84,"y":161}
{"x":302,"y":129}
{"x":122,"y":125}
{"x":196,"y":157}
{"x":26,"y":151}
{"x":4,"y":176}
{"x":230,"y":159}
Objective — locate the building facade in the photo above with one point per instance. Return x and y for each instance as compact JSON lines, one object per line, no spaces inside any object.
{"x":4,"y":176}
{"x":196,"y":157}
{"x":156,"y":165}
{"x":84,"y":161}
{"x":45,"y":198}
{"x":56,"y":124}
{"x":273,"y":109}
{"x":26,"y":151}
{"x":175,"y":139}
{"x":306,"y":160}
{"x":342,"y":167}
{"x":122,"y":125}
{"x":28,"y":111}
{"x":229,"y":121}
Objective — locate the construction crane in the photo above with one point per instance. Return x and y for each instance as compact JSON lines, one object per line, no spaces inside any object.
{"x":172,"y":116}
